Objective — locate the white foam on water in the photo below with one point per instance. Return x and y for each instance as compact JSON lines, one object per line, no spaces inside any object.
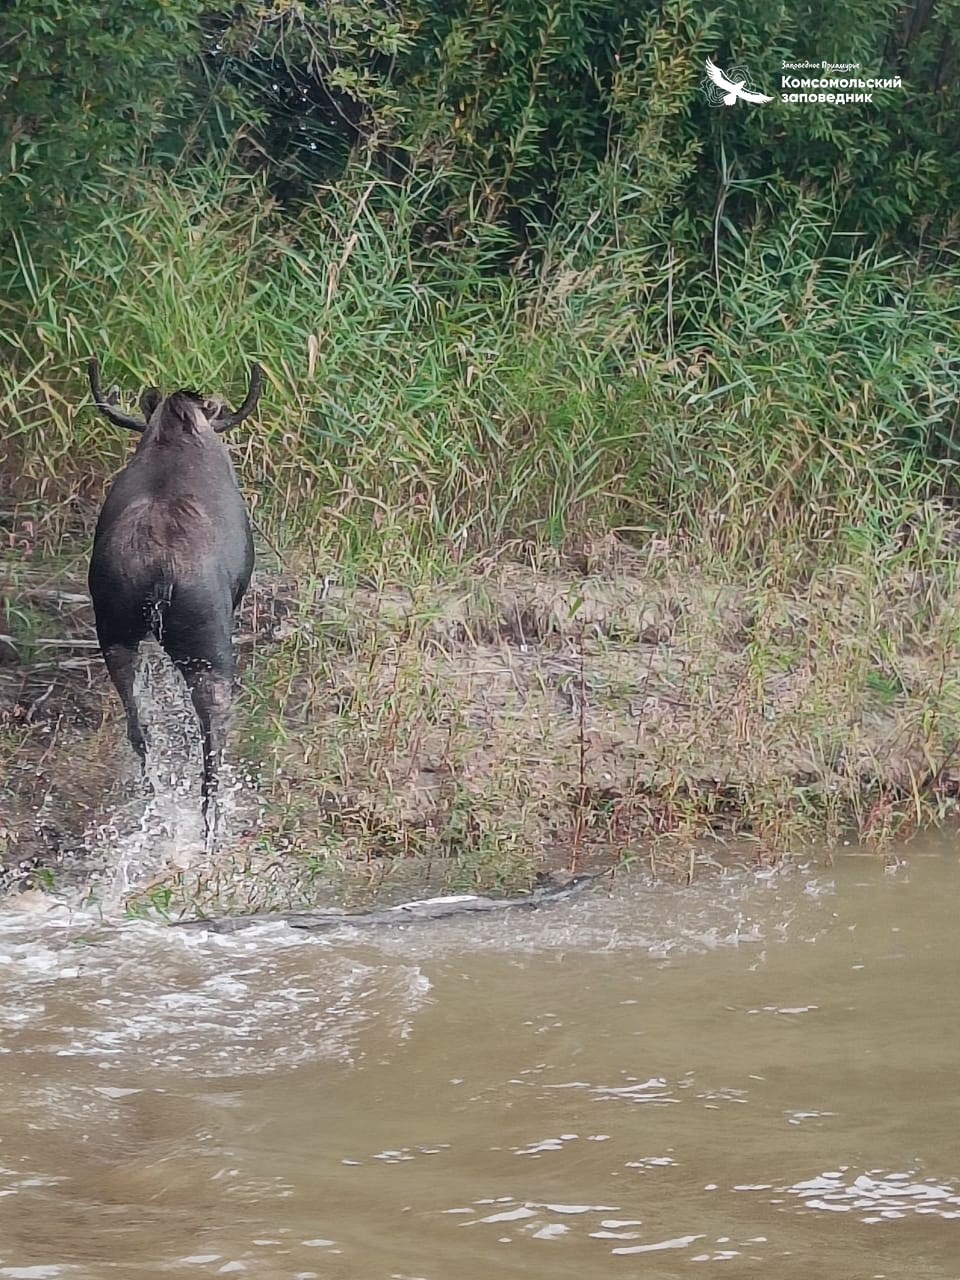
{"x":136,"y":995}
{"x":877,"y":1195}
{"x":133,"y":993}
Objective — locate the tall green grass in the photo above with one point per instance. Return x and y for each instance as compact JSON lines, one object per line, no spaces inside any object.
{"x":786,"y":393}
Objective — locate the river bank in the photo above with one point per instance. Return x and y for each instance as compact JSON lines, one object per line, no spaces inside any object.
{"x":506,"y":721}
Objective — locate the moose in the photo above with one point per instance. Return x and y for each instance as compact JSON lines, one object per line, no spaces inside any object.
{"x":172,"y":557}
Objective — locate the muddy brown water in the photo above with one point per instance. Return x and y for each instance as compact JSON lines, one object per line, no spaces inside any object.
{"x":756,"y":1076}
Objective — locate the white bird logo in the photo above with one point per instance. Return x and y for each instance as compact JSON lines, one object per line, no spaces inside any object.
{"x":733,"y":89}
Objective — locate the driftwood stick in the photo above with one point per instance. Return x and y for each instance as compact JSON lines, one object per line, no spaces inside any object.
{"x":407,"y":913}
{"x":15,"y":642}
{"x":58,"y":597}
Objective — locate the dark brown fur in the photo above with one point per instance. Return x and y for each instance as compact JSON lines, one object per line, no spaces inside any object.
{"x":164,"y":531}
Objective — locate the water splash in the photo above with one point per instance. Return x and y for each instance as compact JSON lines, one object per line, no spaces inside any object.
{"x":162,"y":826}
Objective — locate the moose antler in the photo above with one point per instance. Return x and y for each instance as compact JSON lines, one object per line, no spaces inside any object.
{"x":107,"y":403}
{"x":253,"y":395}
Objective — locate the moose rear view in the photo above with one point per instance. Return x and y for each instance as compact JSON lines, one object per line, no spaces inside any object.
{"x":172,"y":557}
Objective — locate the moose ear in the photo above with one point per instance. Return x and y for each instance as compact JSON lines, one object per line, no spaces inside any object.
{"x":213,"y":407}
{"x":149,"y":401}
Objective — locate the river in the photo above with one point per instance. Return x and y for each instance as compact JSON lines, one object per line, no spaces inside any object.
{"x":757,"y":1075}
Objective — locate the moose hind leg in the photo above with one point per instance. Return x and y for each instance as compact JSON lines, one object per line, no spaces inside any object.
{"x":121,"y":662}
{"x":212,"y":694}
